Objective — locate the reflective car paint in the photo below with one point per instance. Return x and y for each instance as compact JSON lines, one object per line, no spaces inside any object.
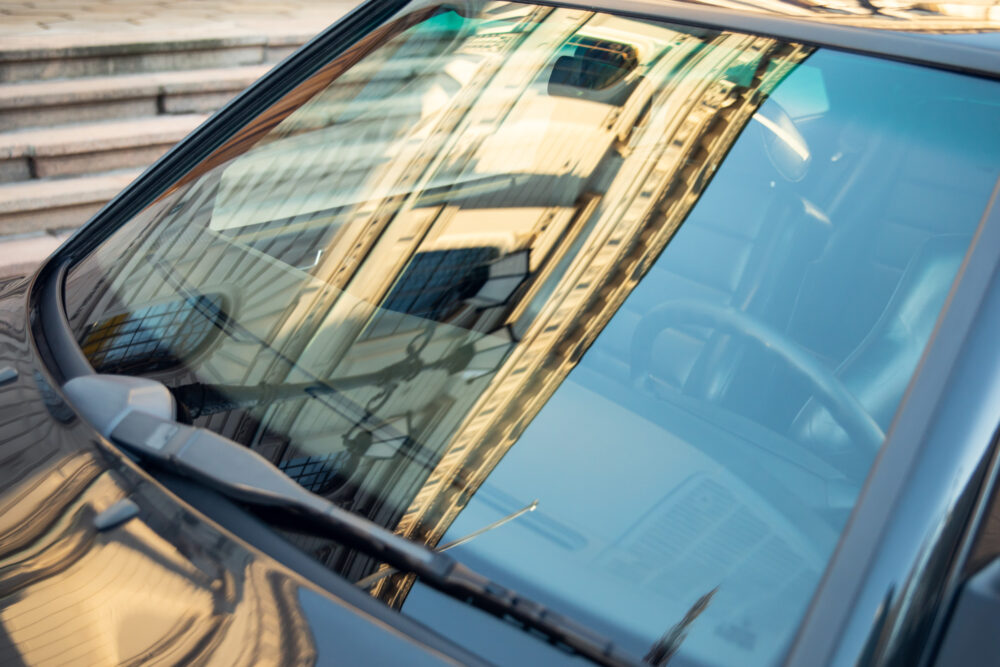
{"x":167,"y":584}
{"x":59,"y":455}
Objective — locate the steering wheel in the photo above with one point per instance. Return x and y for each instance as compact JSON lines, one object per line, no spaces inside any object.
{"x":862,"y":429}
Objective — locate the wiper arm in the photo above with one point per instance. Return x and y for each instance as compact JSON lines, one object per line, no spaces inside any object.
{"x":376,"y":577}
{"x":130,"y":411}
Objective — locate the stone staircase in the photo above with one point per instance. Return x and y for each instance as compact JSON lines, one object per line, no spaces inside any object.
{"x":81,"y":115}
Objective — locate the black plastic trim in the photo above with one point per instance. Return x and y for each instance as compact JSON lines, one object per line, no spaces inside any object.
{"x":56,"y":330}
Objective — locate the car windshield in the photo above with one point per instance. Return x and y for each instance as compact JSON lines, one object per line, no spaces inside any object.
{"x":669,"y":282}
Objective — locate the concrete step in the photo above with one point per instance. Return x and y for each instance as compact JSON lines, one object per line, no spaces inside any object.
{"x":45,"y":103}
{"x":70,"y":55}
{"x":71,"y":150}
{"x":52,"y":205}
{"x":21,"y":254}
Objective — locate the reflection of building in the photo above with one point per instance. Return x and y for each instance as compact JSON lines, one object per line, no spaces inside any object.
{"x":406,"y":279}
{"x":70,"y":594}
{"x":697,"y":125}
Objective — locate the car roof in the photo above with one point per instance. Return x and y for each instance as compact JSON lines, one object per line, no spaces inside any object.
{"x":954,"y":18}
{"x":963,"y":35}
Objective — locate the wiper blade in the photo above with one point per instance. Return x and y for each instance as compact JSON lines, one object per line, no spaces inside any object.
{"x":127,"y":410}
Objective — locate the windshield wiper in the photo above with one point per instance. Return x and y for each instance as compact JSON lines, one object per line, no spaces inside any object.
{"x":374,"y":578}
{"x":137,"y":414}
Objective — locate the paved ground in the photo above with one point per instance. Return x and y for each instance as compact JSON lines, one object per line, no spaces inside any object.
{"x":20,"y":255}
{"x":40,"y":21}
{"x":54,"y":24}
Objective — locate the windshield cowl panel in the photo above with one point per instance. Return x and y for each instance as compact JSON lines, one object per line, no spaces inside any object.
{"x":670,"y":282}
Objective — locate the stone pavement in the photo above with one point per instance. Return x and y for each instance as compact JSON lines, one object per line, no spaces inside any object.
{"x":44,"y":22}
{"x":21,"y":254}
{"x":36,"y":34}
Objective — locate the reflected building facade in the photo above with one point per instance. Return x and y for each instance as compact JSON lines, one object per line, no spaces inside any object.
{"x":415,"y":273}
{"x":161,"y":587}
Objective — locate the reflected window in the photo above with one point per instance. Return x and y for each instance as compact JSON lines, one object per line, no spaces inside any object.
{"x":591,"y":65}
{"x":434,"y":286}
{"x":153,"y":338}
{"x":316,"y":473}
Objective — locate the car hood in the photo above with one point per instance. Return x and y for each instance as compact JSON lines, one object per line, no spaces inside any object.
{"x":166,"y":584}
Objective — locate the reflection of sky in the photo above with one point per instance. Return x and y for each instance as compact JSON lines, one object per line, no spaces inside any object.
{"x":608,"y":476}
{"x":645,"y":508}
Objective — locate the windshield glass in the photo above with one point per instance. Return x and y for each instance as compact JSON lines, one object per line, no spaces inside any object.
{"x":669,"y":282}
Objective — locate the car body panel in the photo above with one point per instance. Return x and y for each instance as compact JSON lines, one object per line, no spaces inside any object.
{"x":57,"y":474}
{"x":168,"y":584}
